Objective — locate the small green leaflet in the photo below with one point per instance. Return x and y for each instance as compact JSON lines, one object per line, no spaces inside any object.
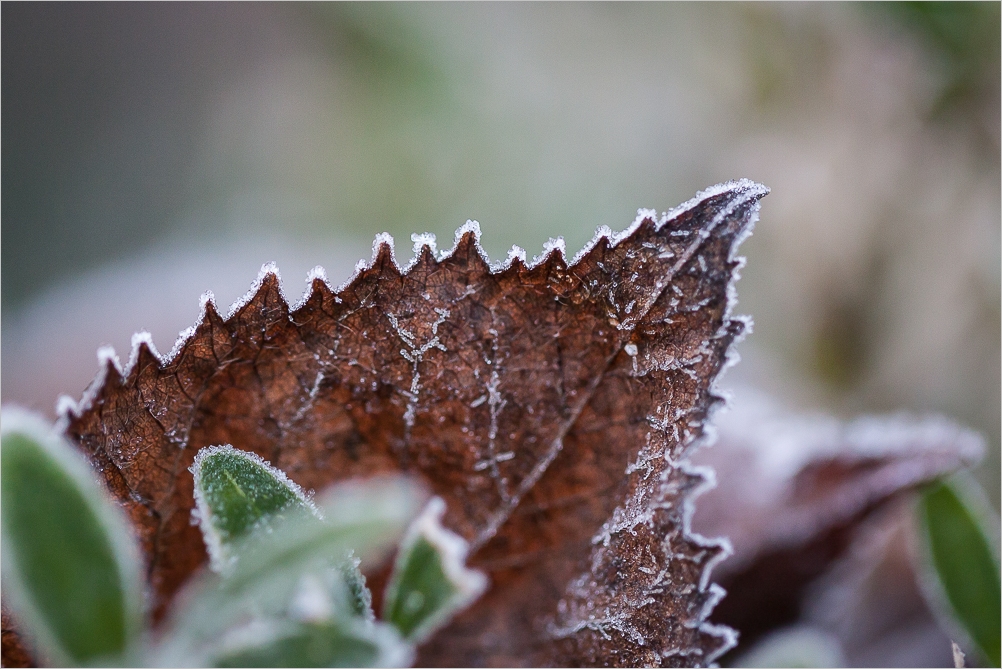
{"x":430,"y":581}
{"x":358,"y":595}
{"x":965,"y":563}
{"x":237,"y":492}
{"x":70,"y":565}
{"x":294,"y":573}
{"x":330,"y":643}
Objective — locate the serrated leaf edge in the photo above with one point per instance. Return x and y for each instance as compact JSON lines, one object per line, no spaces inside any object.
{"x":67,"y":407}
{"x":749,"y":192}
{"x":393,"y":651}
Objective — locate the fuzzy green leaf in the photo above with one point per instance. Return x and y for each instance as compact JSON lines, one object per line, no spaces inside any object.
{"x":68,"y":558}
{"x":236,"y":492}
{"x":965,"y":564}
{"x":359,"y":519}
{"x":331,"y":643}
{"x":359,"y":598}
{"x":430,"y":581}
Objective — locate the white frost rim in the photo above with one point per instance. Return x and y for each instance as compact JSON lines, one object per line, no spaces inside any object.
{"x":66,"y":406}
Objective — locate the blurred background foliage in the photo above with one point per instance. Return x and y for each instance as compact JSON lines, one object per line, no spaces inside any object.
{"x":152,"y":151}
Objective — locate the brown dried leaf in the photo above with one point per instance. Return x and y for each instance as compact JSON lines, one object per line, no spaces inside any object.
{"x":796,"y":490}
{"x":551,"y":405}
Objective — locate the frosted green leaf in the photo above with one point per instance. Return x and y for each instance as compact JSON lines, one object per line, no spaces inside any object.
{"x":430,"y":581}
{"x":335,"y":590}
{"x":358,"y":595}
{"x":363,"y":519}
{"x":70,"y":565}
{"x":330,"y":643}
{"x":960,"y":548}
{"x":237,"y":492}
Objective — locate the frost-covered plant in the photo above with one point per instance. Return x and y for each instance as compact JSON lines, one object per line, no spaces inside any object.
{"x":285,"y":588}
{"x":554,"y":405}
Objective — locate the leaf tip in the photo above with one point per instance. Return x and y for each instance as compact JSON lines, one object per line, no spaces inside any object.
{"x":66,"y":408}
{"x":468,"y":232}
{"x":144,"y":352}
{"x":108,"y":360}
{"x":270,"y":279}
{"x":554,"y":253}
{"x":384,"y":252}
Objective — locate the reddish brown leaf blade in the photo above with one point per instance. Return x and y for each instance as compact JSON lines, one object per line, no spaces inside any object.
{"x":547,"y":403}
{"x":794,"y":490}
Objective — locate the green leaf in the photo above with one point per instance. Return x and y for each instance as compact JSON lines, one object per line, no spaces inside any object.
{"x":70,"y":564}
{"x":430,"y":581}
{"x":358,"y":596}
{"x":964,"y":562}
{"x":237,"y":492}
{"x":331,"y":643}
{"x":367,"y":518}
{"x":362,"y":517}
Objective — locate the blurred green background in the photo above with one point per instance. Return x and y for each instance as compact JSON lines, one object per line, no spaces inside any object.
{"x":153,"y":151}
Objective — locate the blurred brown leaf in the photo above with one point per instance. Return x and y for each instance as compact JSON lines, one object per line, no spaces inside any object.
{"x":797,"y":491}
{"x":549,"y":404}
